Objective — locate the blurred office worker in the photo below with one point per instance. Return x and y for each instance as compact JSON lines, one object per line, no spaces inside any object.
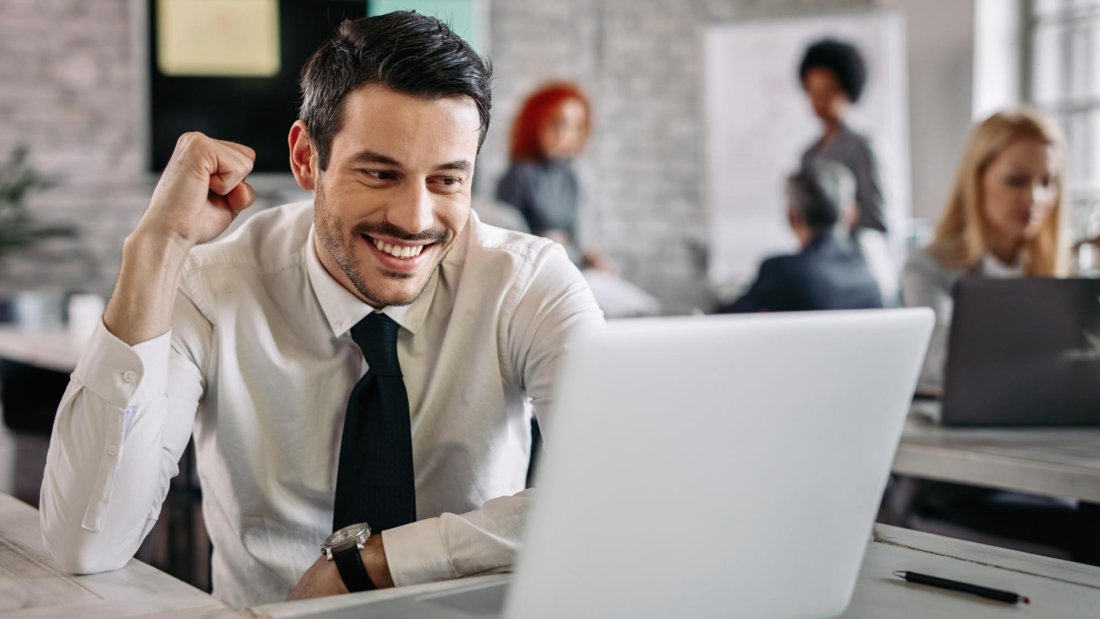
{"x":829,"y":272}
{"x":551,"y":129}
{"x":369,"y":357}
{"x":833,"y":75}
{"x":1002,"y":220}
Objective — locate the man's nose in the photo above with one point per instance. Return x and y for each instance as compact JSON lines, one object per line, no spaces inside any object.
{"x":414,"y":213}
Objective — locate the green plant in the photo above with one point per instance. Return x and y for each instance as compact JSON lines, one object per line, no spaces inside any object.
{"x":18,"y":229}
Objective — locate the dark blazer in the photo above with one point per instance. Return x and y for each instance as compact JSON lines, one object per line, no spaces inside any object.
{"x":829,"y":273}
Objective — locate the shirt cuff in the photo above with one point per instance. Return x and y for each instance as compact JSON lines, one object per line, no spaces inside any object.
{"x":416,"y":554}
{"x":124,"y":375}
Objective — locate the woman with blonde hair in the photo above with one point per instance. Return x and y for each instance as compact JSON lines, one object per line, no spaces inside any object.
{"x":1003,"y":219}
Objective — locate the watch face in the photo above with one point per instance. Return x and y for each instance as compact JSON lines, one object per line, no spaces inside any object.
{"x":347,"y":534}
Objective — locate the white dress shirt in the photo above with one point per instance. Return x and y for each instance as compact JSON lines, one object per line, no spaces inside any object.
{"x":259,"y":364}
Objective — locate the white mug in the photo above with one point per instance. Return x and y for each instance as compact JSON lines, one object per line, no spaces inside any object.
{"x":38,"y":310}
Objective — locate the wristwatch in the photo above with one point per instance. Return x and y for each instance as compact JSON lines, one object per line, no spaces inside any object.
{"x":343,"y":547}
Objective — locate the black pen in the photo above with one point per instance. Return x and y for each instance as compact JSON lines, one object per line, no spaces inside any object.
{"x":954,"y":585}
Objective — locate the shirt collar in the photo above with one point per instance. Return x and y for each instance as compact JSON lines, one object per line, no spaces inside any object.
{"x":343,"y":309}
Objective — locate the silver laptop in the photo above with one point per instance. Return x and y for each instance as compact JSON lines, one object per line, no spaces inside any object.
{"x":1023,"y":352}
{"x":722,"y":466}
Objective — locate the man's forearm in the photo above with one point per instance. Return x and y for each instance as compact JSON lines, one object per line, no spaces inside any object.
{"x":200,"y":193}
{"x":141,"y":306}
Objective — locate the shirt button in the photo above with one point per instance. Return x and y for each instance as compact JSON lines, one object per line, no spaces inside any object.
{"x":112,"y":450}
{"x":129,"y":376}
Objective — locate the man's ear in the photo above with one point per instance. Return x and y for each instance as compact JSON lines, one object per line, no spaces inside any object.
{"x":303,"y":157}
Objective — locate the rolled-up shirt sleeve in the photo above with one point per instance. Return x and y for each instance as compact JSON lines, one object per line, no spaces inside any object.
{"x":553,"y":309}
{"x":122,"y":425}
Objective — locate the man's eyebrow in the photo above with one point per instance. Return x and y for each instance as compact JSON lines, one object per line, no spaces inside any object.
{"x":460,"y":165}
{"x":369,"y":156}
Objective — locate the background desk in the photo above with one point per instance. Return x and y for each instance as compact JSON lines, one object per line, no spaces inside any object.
{"x":34,"y":369}
{"x":1053,"y":462}
{"x":30,"y":586}
{"x":52,"y":349}
{"x":1062,"y":462}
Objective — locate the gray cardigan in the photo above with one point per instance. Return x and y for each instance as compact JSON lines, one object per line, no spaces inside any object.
{"x":854,"y":152}
{"x":925,"y":282}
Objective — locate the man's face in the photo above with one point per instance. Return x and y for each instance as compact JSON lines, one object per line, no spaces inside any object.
{"x":396,"y":193}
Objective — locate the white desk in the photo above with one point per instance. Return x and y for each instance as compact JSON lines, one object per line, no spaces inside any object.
{"x":30,"y":585}
{"x":52,"y":349}
{"x":1062,"y":462}
{"x":1056,"y":588}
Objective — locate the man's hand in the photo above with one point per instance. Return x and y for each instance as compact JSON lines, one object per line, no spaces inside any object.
{"x":202,"y":190}
{"x":200,"y":193}
{"x":322,"y":578}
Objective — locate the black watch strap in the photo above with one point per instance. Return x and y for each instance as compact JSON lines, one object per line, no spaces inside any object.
{"x":352,"y":571}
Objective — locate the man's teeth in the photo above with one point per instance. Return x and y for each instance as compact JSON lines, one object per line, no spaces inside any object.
{"x":398,"y":251}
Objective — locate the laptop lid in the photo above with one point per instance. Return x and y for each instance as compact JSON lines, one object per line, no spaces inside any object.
{"x":1023,"y":352}
{"x":717,"y":466}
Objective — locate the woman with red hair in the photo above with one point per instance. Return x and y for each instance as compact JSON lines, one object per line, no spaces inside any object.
{"x":550,"y":130}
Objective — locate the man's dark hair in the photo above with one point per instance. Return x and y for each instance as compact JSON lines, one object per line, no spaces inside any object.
{"x":820,"y":193}
{"x":842,"y":59}
{"x":407,"y":52}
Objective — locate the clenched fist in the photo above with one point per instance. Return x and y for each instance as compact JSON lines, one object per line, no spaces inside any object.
{"x":202,"y":190}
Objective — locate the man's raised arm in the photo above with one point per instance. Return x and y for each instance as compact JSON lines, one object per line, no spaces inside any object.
{"x":123,"y":422}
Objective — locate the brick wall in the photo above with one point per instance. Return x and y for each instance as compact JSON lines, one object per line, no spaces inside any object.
{"x":69,"y":80}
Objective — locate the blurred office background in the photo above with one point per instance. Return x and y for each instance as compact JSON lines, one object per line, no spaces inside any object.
{"x":77,"y":80}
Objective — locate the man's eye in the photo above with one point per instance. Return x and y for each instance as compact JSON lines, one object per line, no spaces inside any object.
{"x":382,"y":175}
{"x":449,"y":181}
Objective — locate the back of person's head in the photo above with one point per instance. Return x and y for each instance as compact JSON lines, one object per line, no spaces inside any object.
{"x":842,"y":59}
{"x":961,"y":238}
{"x":538,"y":109}
{"x":821,"y":193}
{"x":407,"y":52}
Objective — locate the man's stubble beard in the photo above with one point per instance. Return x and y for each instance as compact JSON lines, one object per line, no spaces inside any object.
{"x":342,"y":250}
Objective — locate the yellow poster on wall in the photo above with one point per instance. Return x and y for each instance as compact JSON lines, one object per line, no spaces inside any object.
{"x":218,"y":38}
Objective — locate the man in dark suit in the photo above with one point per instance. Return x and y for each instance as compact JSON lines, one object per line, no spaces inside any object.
{"x":829,"y":272}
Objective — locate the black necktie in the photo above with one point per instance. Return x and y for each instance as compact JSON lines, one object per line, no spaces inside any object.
{"x":374,"y":481}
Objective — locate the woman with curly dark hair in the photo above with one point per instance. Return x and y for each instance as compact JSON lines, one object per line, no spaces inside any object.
{"x":833,"y":75}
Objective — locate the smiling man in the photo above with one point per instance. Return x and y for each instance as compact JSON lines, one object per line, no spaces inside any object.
{"x":358,"y":371}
